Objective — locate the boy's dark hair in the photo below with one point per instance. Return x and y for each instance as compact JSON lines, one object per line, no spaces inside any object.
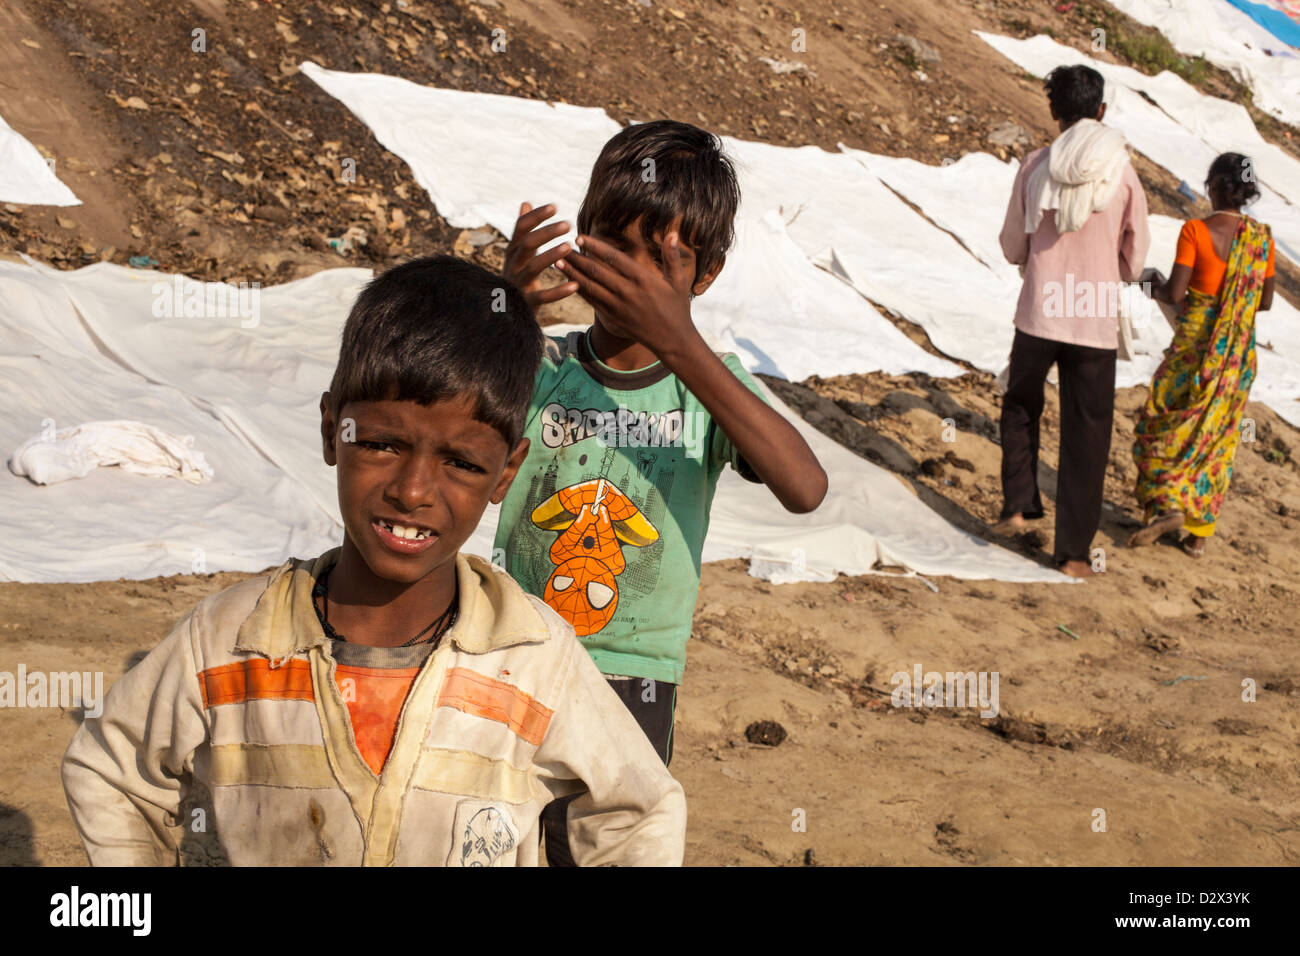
{"x":432,"y":328}
{"x":1075,"y":92}
{"x":1232,"y":176}
{"x":660,"y":170}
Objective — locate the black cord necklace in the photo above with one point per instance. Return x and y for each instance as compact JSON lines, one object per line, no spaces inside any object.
{"x":439,"y":626}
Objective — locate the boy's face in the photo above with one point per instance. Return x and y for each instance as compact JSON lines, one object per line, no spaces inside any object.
{"x":631,"y":243}
{"x":414,"y":479}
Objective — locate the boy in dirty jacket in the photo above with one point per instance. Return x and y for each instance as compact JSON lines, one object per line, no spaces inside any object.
{"x":392,"y":701}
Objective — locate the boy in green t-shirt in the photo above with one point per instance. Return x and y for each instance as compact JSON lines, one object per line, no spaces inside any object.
{"x":632,"y":421}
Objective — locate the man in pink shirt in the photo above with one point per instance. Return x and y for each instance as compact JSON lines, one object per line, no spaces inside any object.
{"x":1077,"y":223}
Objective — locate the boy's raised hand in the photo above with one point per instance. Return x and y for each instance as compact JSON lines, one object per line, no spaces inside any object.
{"x":524,"y":267}
{"x":637,"y":302}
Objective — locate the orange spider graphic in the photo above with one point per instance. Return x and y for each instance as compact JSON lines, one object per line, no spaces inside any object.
{"x":595,"y":519}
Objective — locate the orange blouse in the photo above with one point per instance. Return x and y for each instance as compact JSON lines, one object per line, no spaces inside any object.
{"x":1196,"y":249}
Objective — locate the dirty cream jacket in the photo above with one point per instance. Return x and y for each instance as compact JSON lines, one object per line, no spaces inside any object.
{"x":231,"y":743}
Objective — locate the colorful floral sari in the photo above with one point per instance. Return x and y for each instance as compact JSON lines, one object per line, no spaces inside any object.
{"x":1188,"y":431}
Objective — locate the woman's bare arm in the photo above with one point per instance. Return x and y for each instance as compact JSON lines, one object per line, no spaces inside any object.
{"x":1175,"y":290}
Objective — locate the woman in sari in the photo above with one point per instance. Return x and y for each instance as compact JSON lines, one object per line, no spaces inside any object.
{"x":1188,"y":432}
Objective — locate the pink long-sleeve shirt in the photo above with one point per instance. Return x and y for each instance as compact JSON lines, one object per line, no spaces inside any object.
{"x":1074,"y":282}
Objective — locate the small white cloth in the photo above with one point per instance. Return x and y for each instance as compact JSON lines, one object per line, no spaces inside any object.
{"x":134,"y":446}
{"x":1081,"y":175}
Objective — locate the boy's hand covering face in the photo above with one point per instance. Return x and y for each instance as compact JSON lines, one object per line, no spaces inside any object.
{"x":430,"y":469}
{"x":646,"y":296}
{"x":524,"y":266}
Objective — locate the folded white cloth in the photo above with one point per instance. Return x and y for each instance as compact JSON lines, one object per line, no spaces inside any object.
{"x":1081,"y":175}
{"x":136,"y":447}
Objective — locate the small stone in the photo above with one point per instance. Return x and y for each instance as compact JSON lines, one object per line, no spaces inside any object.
{"x":923,"y":51}
{"x":276,"y":214}
{"x":1008,"y":134}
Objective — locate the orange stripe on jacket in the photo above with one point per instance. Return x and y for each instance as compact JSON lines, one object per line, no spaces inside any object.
{"x":472,"y":693}
{"x":255,"y":680}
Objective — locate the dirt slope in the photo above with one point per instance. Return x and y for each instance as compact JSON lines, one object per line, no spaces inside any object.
{"x":1135,"y":709}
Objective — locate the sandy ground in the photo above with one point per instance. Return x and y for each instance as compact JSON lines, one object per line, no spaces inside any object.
{"x":1137,"y":711}
{"x":1134,"y":713}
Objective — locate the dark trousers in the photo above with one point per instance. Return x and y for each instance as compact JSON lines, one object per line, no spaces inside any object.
{"x":1087,"y":385}
{"x":653,"y":704}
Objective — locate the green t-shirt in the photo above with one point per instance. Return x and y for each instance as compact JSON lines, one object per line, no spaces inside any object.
{"x":607,"y":517}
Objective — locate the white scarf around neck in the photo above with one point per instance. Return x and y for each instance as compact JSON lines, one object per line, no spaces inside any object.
{"x":1080,"y":176}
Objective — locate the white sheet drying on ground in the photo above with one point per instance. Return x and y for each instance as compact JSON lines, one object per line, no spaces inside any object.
{"x":868,"y":517}
{"x":25,"y":176}
{"x":967,"y":198}
{"x":958,"y":198}
{"x":1153,"y":131}
{"x":953,"y":196}
{"x":112,"y":524}
{"x":134,"y":447}
{"x":769,"y":296}
{"x":880,"y":246}
{"x":479,"y":155}
{"x":1231,"y":41}
{"x":262,"y":384}
{"x":86,"y":345}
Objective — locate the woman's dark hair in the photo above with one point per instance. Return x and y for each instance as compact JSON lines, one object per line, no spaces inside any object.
{"x":1075,"y":92}
{"x":432,"y":328}
{"x":1232,"y":178}
{"x":660,"y":170}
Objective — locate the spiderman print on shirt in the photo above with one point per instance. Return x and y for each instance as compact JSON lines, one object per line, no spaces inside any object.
{"x":595,"y":519}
